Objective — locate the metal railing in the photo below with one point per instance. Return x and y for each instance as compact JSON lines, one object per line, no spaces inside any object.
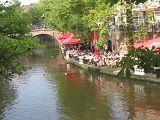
{"x":36,"y":27}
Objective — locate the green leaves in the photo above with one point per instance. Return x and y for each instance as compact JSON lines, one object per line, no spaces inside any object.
{"x":144,"y":58}
{"x":14,"y":23}
{"x":13,"y":40}
{"x":127,"y":64}
{"x":10,"y":51}
{"x":121,"y":72}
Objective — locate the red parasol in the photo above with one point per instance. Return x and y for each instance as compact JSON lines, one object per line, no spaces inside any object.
{"x":71,"y":40}
{"x":137,"y":45}
{"x":95,"y":35}
{"x":65,"y":36}
{"x":149,"y":44}
{"x":97,"y":51}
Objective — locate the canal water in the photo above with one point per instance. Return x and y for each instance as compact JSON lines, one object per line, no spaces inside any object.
{"x":54,"y":90}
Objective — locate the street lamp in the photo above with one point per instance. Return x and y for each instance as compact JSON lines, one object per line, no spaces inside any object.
{"x":43,"y":24}
{"x":99,"y":23}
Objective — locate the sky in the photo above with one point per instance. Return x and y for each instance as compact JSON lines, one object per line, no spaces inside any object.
{"x":27,"y":2}
{"x":24,"y":2}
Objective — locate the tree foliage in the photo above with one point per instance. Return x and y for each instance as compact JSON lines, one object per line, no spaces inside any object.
{"x":13,"y":24}
{"x":34,"y":15}
{"x":79,"y":17}
{"x":144,"y":58}
{"x":14,"y":42}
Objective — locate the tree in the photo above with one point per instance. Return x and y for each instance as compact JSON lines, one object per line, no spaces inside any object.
{"x":79,"y":17}
{"x":34,"y":15}
{"x":99,"y":18}
{"x":67,"y":15}
{"x":13,"y":40}
{"x":144,"y":58}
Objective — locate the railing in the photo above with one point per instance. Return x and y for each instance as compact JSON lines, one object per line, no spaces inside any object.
{"x":36,"y":27}
{"x":122,"y":28}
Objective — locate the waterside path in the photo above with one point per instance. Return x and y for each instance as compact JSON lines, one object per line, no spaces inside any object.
{"x":148,"y":77}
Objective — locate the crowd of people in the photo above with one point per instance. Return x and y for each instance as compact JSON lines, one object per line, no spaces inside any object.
{"x":89,"y":56}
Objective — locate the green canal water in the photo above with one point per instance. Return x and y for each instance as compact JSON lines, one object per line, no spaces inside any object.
{"x":54,"y":90}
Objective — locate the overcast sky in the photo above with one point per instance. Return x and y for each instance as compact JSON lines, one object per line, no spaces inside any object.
{"x":24,"y":2}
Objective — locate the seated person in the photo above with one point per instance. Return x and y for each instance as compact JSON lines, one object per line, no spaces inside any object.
{"x":101,"y":61}
{"x":109,"y":61}
{"x":85,"y":51}
{"x":109,"y":53}
{"x":113,"y":53}
{"x":89,"y":57}
{"x":95,"y":60}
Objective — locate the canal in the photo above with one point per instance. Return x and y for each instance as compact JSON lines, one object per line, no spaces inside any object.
{"x":54,"y":90}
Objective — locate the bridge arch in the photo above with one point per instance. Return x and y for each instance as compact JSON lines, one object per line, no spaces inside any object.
{"x":44,"y":31}
{"x":36,"y":32}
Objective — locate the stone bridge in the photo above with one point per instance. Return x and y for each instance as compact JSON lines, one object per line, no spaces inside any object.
{"x":45,"y":31}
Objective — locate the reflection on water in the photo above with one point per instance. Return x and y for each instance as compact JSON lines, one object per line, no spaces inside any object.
{"x":54,"y":90}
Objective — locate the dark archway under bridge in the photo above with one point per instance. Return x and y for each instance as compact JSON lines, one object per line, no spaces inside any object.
{"x":45,"y":34}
